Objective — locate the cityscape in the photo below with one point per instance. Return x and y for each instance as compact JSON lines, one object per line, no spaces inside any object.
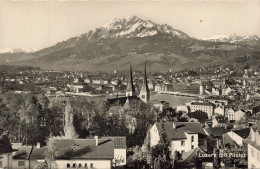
{"x":132,"y":94}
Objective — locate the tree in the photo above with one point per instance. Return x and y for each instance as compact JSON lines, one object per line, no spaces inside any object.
{"x":69,"y":128}
{"x":160,"y":152}
{"x":216,"y":161}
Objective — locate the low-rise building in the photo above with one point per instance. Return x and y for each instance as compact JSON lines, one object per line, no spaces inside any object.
{"x":203,"y":106}
{"x":184,"y":136}
{"x":253,"y":153}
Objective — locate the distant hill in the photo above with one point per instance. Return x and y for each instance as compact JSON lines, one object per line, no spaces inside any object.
{"x":126,"y":40}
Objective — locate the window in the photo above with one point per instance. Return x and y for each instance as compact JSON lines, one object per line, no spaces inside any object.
{"x":68,"y":165}
{"x":192,"y":147}
{"x":74,"y":165}
{"x":143,"y":96}
{"x":21,"y":163}
{"x":86,"y":165}
{"x":192,"y":138}
{"x":91,"y":165}
{"x":79,"y":165}
{"x":182,"y":143}
{"x":1,"y":164}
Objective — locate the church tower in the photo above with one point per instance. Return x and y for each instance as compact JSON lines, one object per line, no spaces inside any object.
{"x":130,"y":91}
{"x":145,"y":93}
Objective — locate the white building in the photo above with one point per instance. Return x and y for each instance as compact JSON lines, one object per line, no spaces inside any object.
{"x":203,"y":106}
{"x":220,"y":110}
{"x":239,"y":115}
{"x":183,"y":136}
{"x":253,"y":153}
{"x":230,"y":113}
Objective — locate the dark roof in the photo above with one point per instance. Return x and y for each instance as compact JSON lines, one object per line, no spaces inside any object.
{"x":85,"y":149}
{"x":23,"y":152}
{"x":180,"y":128}
{"x":221,"y":119}
{"x":39,"y":153}
{"x":202,"y":103}
{"x":217,"y":131}
{"x":121,"y":100}
{"x":244,"y":133}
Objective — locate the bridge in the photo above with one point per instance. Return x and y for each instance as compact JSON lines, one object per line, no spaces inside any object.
{"x":181,"y":94}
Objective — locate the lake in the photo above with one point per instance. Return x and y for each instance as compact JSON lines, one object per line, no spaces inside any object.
{"x":173,"y":99}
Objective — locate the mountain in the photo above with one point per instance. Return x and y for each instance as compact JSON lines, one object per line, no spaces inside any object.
{"x":234,"y":39}
{"x":17,"y":50}
{"x":130,"y":39}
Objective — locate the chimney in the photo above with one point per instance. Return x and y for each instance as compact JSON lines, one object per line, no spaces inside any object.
{"x":96,"y":138}
{"x":38,"y":145}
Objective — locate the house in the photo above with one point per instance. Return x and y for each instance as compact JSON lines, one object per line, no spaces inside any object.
{"x":101,"y":153}
{"x":236,"y":136}
{"x":160,"y":105}
{"x":202,"y":106}
{"x":5,"y":151}
{"x":230,"y":113}
{"x":216,"y":133}
{"x":253,"y":153}
{"x":182,"y":109}
{"x":184,"y":136}
{"x":220,"y":110}
{"x":219,"y":121}
{"x":239,"y":115}
{"x":21,"y":157}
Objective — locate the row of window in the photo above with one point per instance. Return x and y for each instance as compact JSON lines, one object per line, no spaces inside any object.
{"x":79,"y":165}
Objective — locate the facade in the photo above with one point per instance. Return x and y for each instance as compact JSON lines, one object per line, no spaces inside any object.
{"x":160,"y":105}
{"x":220,"y":110}
{"x":230,"y":113}
{"x":239,"y":115}
{"x":253,"y":153}
{"x":202,"y":106}
{"x":184,"y":136}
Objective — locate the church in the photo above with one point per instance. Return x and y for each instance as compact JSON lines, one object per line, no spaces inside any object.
{"x":131,"y":93}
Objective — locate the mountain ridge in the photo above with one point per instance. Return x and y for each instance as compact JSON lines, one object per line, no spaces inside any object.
{"x":126,"y":40}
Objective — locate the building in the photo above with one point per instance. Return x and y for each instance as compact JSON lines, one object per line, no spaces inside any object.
{"x":130,"y":91}
{"x":253,"y":153}
{"x":216,"y":133}
{"x":145,"y":92}
{"x":230,"y":113}
{"x":239,"y":115}
{"x":220,"y":110}
{"x":101,"y":153}
{"x":236,"y":136}
{"x":219,"y":121}
{"x":202,"y":106}
{"x":184,"y":136}
{"x":5,"y":151}
{"x":21,"y":157}
{"x":160,"y":105}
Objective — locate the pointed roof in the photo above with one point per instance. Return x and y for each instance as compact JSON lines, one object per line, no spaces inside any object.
{"x":130,"y":86}
{"x":145,"y":84}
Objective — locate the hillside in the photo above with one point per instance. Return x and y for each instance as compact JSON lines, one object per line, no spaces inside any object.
{"x":126,"y":40}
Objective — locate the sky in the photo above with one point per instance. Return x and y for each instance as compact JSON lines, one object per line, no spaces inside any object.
{"x":40,"y":24}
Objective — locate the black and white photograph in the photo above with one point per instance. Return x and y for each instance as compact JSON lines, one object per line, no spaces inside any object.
{"x":129,"y":84}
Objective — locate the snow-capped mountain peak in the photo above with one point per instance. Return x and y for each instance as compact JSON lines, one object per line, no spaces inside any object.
{"x":129,"y":27}
{"x":233,"y":38}
{"x":18,"y":50}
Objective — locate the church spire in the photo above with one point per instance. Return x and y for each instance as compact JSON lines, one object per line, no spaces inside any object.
{"x":145,"y":93}
{"x":130,"y":91}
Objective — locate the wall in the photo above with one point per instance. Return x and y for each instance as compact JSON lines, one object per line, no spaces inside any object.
{"x":15,"y":164}
{"x":97,"y":164}
{"x":195,"y":143}
{"x":6,"y":160}
{"x":120,"y":154}
{"x":176,"y":145}
{"x":253,"y":157}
